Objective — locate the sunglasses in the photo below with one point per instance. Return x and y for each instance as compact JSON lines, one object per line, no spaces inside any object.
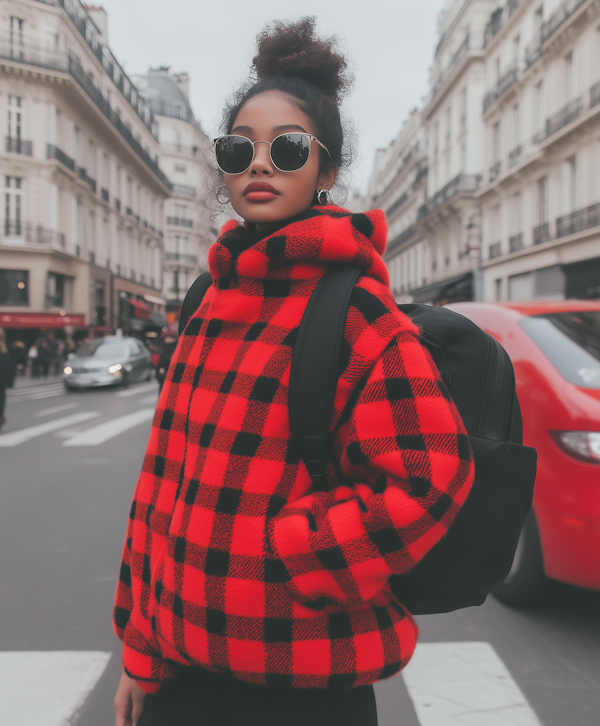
{"x":289,"y":152}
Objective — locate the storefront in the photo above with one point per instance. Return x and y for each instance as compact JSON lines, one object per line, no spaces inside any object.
{"x":28,"y":327}
{"x":582,"y":279}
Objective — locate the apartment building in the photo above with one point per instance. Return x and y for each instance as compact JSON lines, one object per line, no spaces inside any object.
{"x":183,"y":147}
{"x":81,"y":231}
{"x":541,"y":198}
{"x":512,"y":130}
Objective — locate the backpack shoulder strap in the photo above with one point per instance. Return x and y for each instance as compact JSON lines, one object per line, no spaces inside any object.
{"x":315,"y":366}
{"x":193,"y":298}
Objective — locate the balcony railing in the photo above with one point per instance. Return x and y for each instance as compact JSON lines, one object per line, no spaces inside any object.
{"x":495,"y":250}
{"x":399,"y":202}
{"x":541,"y":233}
{"x":595,"y":95}
{"x":82,"y":174}
{"x":578,"y":221}
{"x":118,"y":205}
{"x":533,"y":51}
{"x":104,"y":194}
{"x":180,"y":222}
{"x":562,"y":14}
{"x":129,"y":211}
{"x":515,"y":155}
{"x":180,"y":257}
{"x":53,"y":152}
{"x":68,"y":63}
{"x":178,"y":149}
{"x":508,"y":79}
{"x":447,"y":72}
{"x":462,"y":183}
{"x":556,"y":122}
{"x":515,"y":243}
{"x":183,"y":190}
{"x":19,"y":146}
{"x":406,"y":234}
{"x":33,"y":233}
{"x":495,"y":170}
{"x":92,"y":256}
{"x":498,"y":18}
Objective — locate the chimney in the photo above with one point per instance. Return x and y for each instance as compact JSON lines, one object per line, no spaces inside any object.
{"x":183,"y":81}
{"x":100,"y":19}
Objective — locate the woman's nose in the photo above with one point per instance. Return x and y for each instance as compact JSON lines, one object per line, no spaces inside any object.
{"x":262,"y":164}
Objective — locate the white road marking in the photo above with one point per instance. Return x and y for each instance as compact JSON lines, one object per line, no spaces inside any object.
{"x":35,"y":391}
{"x":149,"y":399}
{"x":138,"y":389}
{"x":105,"y":431}
{"x":464,"y":684}
{"x":14,"y":438}
{"x":48,"y":394}
{"x":46,"y":688}
{"x":56,"y":409}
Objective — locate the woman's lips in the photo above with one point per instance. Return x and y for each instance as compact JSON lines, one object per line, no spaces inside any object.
{"x":260,"y":192}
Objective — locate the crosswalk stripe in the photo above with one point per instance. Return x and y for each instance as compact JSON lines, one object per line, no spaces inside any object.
{"x":464,"y":684}
{"x":138,"y":389}
{"x":46,"y":688}
{"x":34,"y":390}
{"x":56,"y":409}
{"x":18,"y":437}
{"x":105,"y":431}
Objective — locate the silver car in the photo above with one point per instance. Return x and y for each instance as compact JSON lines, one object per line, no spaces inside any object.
{"x":109,"y":361}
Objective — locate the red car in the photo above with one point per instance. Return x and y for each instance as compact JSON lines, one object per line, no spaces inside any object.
{"x":555,"y":350}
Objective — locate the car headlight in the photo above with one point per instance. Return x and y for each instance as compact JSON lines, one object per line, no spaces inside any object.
{"x":582,"y":445}
{"x":115,"y":370}
{"x":67,"y":370}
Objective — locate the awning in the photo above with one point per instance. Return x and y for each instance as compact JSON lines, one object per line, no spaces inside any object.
{"x":40,"y":320}
{"x":452,"y":289}
{"x":155,"y":300}
{"x":140,"y":309}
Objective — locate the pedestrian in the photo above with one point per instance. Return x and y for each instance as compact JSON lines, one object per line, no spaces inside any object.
{"x":34,"y":360}
{"x":168,"y":345}
{"x":44,"y":356}
{"x":246,"y":595}
{"x":7,"y":373}
{"x":18,"y":351}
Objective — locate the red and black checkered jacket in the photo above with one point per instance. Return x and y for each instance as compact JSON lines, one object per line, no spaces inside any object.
{"x":232,"y":561}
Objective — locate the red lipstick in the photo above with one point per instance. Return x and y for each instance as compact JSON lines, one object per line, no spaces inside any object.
{"x":260,"y":192}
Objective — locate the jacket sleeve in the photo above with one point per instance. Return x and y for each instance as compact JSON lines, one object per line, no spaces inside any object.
{"x":141,"y":661}
{"x":404,"y":470}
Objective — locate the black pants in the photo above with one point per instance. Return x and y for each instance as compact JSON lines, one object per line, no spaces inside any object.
{"x":2,"y":400}
{"x":200,"y":698}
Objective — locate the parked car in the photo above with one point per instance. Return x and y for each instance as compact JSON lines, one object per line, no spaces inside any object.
{"x":555,"y":351}
{"x":109,"y":361}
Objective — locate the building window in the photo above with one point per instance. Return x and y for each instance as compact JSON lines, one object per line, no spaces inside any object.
{"x":16,"y":37}
{"x":517,"y":124}
{"x":463,"y":106}
{"x":496,"y":142}
{"x":13,"y":206}
{"x":517,"y":213}
{"x":540,"y":106}
{"x":58,"y":291}
{"x":571,"y":75}
{"x":179,"y":109}
{"x":179,"y":174}
{"x":14,"y":287}
{"x":498,"y":290}
{"x":571,"y":184}
{"x":15,"y":117}
{"x":543,"y":200}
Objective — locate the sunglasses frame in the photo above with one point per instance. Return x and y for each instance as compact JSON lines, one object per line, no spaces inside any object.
{"x":285,"y":171}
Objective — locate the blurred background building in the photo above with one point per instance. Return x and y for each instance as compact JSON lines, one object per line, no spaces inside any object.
{"x":502,"y":202}
{"x":183,"y":147}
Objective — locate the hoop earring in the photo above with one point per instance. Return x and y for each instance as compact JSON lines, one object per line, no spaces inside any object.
{"x":222,"y":195}
{"x":324,"y":197}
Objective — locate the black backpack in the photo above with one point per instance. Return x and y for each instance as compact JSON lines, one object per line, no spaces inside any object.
{"x":478,"y":551}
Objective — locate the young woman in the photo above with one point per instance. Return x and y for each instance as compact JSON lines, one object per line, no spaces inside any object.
{"x":247,"y":597}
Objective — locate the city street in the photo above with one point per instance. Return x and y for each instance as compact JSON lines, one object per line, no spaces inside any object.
{"x":68,"y":465}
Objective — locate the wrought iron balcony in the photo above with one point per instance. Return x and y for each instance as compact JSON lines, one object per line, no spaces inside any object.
{"x":169,"y":148}
{"x":403,"y":236}
{"x":515,"y":155}
{"x":578,"y":220}
{"x":560,"y":16}
{"x":33,"y":233}
{"x":19,"y":146}
{"x":462,"y":183}
{"x":515,"y":242}
{"x":495,"y":250}
{"x":183,"y":190}
{"x":180,"y":222}
{"x":541,"y":233}
{"x":118,"y":205}
{"x":560,"y":119}
{"x":498,"y":18}
{"x":128,"y":211}
{"x":450,"y":68}
{"x":508,"y":79}
{"x":104,"y":194}
{"x":53,"y":152}
{"x":181,"y":258}
{"x":82,"y":174}
{"x":495,"y":170}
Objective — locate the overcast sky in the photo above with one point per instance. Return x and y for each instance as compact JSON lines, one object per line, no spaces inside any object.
{"x":390,"y":44}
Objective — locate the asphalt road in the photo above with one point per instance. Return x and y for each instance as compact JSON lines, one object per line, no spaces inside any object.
{"x":66,"y":481}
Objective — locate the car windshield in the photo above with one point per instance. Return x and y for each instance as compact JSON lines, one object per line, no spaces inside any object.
{"x":102,"y":349}
{"x":572,"y":342}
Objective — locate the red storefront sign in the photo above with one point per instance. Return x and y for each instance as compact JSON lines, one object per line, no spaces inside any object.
{"x":40,"y":320}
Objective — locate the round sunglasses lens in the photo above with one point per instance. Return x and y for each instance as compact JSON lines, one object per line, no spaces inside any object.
{"x":290,"y":151}
{"x":234,"y":154}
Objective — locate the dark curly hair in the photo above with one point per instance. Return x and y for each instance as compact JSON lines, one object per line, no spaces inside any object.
{"x":291,"y":59}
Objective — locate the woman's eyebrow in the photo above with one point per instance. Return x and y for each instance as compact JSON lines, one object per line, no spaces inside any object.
{"x":276,"y":129}
{"x":279,"y":129}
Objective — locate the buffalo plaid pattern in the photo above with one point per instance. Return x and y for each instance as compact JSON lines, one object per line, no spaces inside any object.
{"x":232,"y":561}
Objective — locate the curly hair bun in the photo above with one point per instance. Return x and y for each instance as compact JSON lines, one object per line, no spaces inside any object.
{"x":293,"y":49}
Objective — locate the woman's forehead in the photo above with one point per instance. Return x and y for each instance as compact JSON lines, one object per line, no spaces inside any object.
{"x":271,"y":112}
